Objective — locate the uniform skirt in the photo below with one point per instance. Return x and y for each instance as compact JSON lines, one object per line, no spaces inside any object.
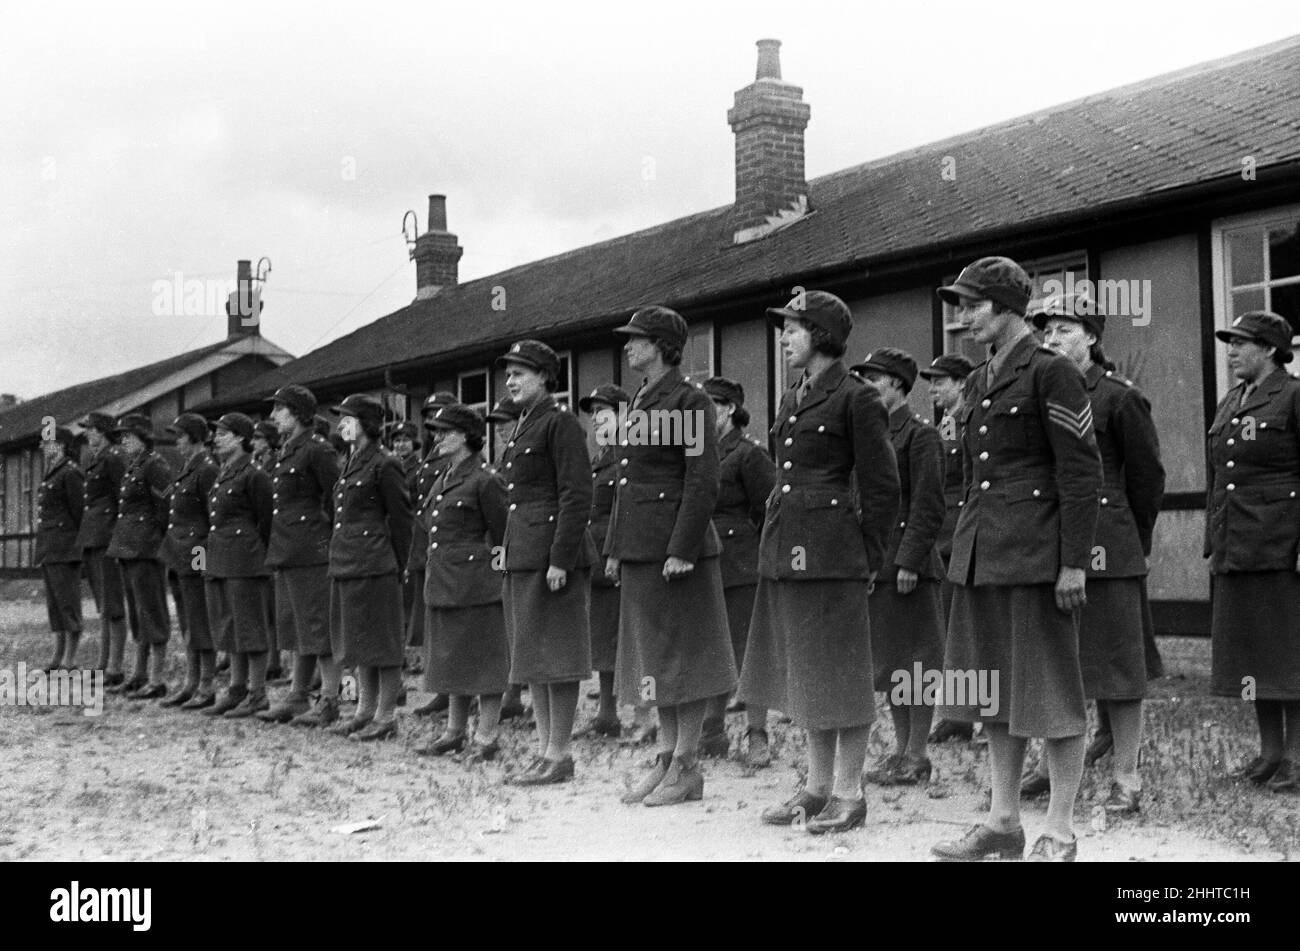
{"x":144,"y":580}
{"x":604,"y":627}
{"x":237,"y":614}
{"x":413,"y":592}
{"x":1255,"y":633}
{"x":63,"y":596}
{"x":1017,"y":633}
{"x":366,"y":621}
{"x":466,"y":650}
{"x":302,"y":606}
{"x":740,"y":611}
{"x":673,"y":643}
{"x":809,"y":652}
{"x":1112,"y":652}
{"x":1155,"y":663}
{"x":193,"y":609}
{"x":105,"y":582}
{"x":906,"y":629}
{"x":549,"y":631}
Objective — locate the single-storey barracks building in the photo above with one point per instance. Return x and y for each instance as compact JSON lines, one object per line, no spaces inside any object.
{"x":1177,"y":197}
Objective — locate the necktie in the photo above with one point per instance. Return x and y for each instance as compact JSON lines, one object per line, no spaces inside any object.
{"x":1245,"y":394}
{"x":804,"y":386}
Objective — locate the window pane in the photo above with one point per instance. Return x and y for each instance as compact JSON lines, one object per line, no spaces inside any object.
{"x":1244,"y":301}
{"x":1245,"y":257}
{"x":1284,"y":251}
{"x":1286,"y":301}
{"x":473,"y":388}
{"x":565,"y":379}
{"x":696,"y":362}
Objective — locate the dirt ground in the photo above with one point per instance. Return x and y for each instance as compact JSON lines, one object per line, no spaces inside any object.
{"x":144,"y":783}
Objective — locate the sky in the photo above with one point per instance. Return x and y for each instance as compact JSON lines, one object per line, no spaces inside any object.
{"x":141,"y":142}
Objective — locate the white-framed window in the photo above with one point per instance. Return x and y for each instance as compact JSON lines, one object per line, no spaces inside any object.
{"x":1062,"y":267}
{"x":697,"y":355}
{"x":1255,"y":260}
{"x":474,"y":389}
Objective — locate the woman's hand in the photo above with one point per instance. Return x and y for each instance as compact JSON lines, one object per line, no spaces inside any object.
{"x":907,"y":579}
{"x":675,"y":567}
{"x":611,"y":570}
{"x":1069,"y":589}
{"x":556,"y":578}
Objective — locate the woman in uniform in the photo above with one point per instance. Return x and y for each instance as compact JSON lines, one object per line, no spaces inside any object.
{"x":137,"y":537}
{"x":1253,"y":542}
{"x":809,"y":651}
{"x":184,"y":551}
{"x":548,"y":556}
{"x":1112,"y":654}
{"x":662,"y":549}
{"x":907,"y":621}
{"x":1019,"y":559}
{"x":503,"y":417}
{"x":746,"y":476}
{"x":464,"y":630}
{"x":602,"y":405}
{"x":104,"y":469}
{"x":239,"y":519}
{"x":372,"y":536}
{"x":60,"y":503}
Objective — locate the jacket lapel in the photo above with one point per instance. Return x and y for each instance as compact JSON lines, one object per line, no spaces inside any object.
{"x":1265,"y":391}
{"x":661,"y":388}
{"x":822,"y":387}
{"x":1017,"y":360}
{"x":526,"y":422}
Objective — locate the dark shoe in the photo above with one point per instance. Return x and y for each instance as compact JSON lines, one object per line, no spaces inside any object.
{"x":911,"y":770}
{"x":840,"y":815}
{"x":1286,"y":778}
{"x":1033,"y":785}
{"x":1101,"y":745}
{"x":649,"y":782}
{"x":149,"y":692}
{"x":324,"y":713}
{"x":512,"y":711}
{"x":479,"y":752}
{"x":428,"y":708}
{"x":796,"y":811}
{"x":378,"y":730}
{"x":447,"y":743}
{"x":604,"y":728}
{"x":439,"y":703}
{"x":981,"y":842}
{"x":401,"y":697}
{"x":680,"y":784}
{"x":114,"y":680}
{"x":275,"y":677}
{"x":285,"y":711}
{"x":1048,"y":849}
{"x":759,"y":754}
{"x":179,"y":697}
{"x":952,"y":730}
{"x":124,"y":687}
{"x":536,"y":763}
{"x":1258,"y":771}
{"x":201,"y":700}
{"x":715,"y":744}
{"x":881,"y":773}
{"x":643,"y":736}
{"x":736,"y":706}
{"x":1122,"y":801}
{"x":253,"y":703}
{"x":348,"y":727}
{"x":549,"y":773}
{"x":232,"y":698}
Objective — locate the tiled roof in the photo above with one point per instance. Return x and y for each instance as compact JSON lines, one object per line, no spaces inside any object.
{"x":1110,"y":149}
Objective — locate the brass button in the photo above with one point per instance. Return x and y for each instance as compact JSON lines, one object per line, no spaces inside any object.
{"x":785,"y":488}
{"x":1231,"y":486}
{"x":787,"y":464}
{"x":984,"y":456}
{"x":984,"y":484}
{"x":986,"y":404}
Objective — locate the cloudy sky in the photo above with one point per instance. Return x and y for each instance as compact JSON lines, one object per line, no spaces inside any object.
{"x":139,"y":141}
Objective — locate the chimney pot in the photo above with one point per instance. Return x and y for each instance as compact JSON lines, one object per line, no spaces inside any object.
{"x":769,"y":60}
{"x":437,"y":212}
{"x":436,"y":253}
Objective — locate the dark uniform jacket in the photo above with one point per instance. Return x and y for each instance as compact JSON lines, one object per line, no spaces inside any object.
{"x":746,"y":476}
{"x":418,"y":483}
{"x":302,"y":487}
{"x":604,"y":481}
{"x":816,"y":526}
{"x":239,"y":513}
{"x":104,"y":474}
{"x":60,"y":502}
{"x":1253,"y":493}
{"x":372,"y":516}
{"x":954,"y":486}
{"x":919,"y":453}
{"x":187,"y":525}
{"x":548,"y":484}
{"x":664,"y":500}
{"x":141,"y":508}
{"x":465,"y":519}
{"x":1032,"y":472}
{"x":1133,"y":478}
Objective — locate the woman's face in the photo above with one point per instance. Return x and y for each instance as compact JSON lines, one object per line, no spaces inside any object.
{"x":447,"y":442}
{"x":1069,"y":338}
{"x":225,"y":443}
{"x":52,"y":450}
{"x":641,"y":352}
{"x":946,"y":391}
{"x":1249,"y":360}
{"x":283,"y":419}
{"x":524,"y":384}
{"x":722,"y":411}
{"x":796,"y":342}
{"x":132,"y":443}
{"x":95,"y":440}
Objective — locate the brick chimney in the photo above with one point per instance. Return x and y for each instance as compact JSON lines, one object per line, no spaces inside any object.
{"x":244,"y":305}
{"x":436,"y":253}
{"x":768,"y":119}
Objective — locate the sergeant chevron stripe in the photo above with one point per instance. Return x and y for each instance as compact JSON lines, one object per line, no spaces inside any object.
{"x":1077,"y":423}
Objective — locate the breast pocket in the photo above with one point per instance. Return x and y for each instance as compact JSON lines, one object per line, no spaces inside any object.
{"x":1016,"y":423}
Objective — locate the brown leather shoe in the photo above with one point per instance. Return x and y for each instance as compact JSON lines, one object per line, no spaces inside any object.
{"x":611,"y":729}
{"x":981,"y":842}
{"x":648,"y":783}
{"x":232,"y":698}
{"x":796,"y":811}
{"x":549,"y":773}
{"x":201,"y":700}
{"x":447,"y":743}
{"x":324,"y":713}
{"x":377,"y":730}
{"x":880,"y":774}
{"x":682,"y":783}
{"x":348,"y":727}
{"x":911,"y":771}
{"x":178,"y":698}
{"x":252,"y":704}
{"x":839,"y":815}
{"x":285,"y":710}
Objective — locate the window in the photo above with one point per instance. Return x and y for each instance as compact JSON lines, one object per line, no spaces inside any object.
{"x":564,"y":391}
{"x":1073,"y":266}
{"x":474,"y":390}
{"x":1256,"y":266}
{"x":697,"y":357}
